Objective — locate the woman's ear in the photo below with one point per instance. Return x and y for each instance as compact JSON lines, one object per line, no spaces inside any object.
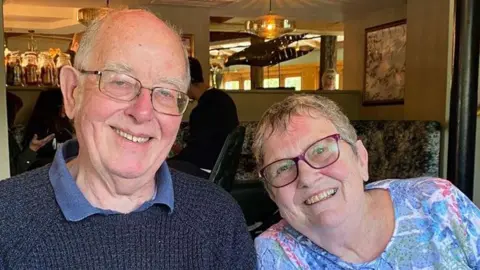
{"x":362,"y":156}
{"x":69,"y":83}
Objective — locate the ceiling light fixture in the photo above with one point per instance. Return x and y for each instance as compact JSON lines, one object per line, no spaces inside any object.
{"x":86,"y":16}
{"x":270,"y":26}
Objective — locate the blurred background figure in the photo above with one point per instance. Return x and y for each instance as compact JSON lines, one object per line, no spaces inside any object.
{"x":214,"y":117}
{"x":21,"y":158}
{"x":328,"y":79}
{"x":48,"y":118}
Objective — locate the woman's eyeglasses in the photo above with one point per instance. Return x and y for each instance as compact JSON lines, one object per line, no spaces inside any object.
{"x":320,"y":154}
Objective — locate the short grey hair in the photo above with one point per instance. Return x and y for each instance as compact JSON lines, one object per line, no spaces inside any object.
{"x":90,"y":36}
{"x":277,"y":118}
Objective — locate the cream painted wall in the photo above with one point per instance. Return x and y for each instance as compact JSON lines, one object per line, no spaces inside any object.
{"x":4,"y":160}
{"x":428,"y":59}
{"x":190,"y":20}
{"x":354,"y":59}
{"x":428,"y":62}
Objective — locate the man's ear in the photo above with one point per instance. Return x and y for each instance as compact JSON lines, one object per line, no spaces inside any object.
{"x":362,"y":156}
{"x":69,"y":81}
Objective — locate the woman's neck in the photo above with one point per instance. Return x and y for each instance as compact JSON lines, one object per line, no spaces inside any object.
{"x":109,"y":192}
{"x":363,"y":237}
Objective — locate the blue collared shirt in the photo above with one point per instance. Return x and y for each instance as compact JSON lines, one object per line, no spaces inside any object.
{"x":75,"y":206}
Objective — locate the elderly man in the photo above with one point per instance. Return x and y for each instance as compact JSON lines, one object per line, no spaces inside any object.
{"x":108,"y":200}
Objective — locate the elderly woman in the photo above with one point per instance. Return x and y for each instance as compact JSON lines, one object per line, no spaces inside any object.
{"x":314,"y":168}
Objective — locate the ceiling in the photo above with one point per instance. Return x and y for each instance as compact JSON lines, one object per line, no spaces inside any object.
{"x":59,"y":16}
{"x":324,"y":10}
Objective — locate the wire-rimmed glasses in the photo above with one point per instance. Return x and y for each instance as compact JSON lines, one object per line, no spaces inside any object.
{"x":123,"y":87}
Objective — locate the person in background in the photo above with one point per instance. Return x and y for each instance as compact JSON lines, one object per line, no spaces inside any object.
{"x":48,"y":117}
{"x":109,"y":200}
{"x":214,"y":117}
{"x":328,"y":79}
{"x":21,"y":159}
{"x":72,"y":49}
{"x":314,"y":168}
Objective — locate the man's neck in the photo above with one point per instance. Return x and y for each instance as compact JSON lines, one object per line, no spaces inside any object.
{"x":363,"y":236}
{"x":110,"y":192}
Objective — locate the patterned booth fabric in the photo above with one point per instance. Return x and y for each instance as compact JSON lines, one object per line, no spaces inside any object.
{"x":396,"y":149}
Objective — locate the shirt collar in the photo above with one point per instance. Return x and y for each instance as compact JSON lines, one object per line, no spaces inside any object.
{"x":76,"y":207}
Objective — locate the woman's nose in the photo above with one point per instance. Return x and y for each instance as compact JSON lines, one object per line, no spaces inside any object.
{"x":306,"y":174}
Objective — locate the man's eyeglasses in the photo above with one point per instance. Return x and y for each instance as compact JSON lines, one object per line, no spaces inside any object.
{"x":123,"y":87}
{"x":320,"y":154}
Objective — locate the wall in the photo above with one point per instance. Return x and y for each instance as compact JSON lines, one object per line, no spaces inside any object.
{"x":4,"y":160}
{"x":428,"y":59}
{"x":252,"y":104}
{"x":428,"y":62}
{"x":354,"y":59}
{"x":20,"y":43}
{"x":190,"y":20}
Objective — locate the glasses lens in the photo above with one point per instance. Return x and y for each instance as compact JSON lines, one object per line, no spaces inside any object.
{"x":280,"y":172}
{"x":119,"y":86}
{"x":323,"y":153}
{"x":169,"y":101}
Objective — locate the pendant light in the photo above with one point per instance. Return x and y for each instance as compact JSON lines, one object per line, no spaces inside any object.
{"x":86,"y":16}
{"x":270,"y":26}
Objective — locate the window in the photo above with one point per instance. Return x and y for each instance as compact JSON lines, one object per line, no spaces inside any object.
{"x":294,"y":82}
{"x":232,"y":85}
{"x":247,"y":85}
{"x":272,"y":82}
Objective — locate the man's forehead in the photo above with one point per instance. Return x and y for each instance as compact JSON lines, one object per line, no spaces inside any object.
{"x":155,"y":76}
{"x":131,"y":18}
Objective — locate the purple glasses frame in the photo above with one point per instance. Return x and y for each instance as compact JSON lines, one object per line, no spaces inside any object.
{"x":296,"y":159}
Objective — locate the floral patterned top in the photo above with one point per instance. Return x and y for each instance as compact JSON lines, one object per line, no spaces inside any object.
{"x":436,"y":227}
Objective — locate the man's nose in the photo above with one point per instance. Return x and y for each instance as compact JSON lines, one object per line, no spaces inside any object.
{"x":142,"y":108}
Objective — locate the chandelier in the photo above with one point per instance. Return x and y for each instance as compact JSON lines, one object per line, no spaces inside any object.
{"x":86,"y":16}
{"x":270,"y":26}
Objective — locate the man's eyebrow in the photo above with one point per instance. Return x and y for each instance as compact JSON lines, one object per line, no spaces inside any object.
{"x":118,"y":67}
{"x":177,"y":83}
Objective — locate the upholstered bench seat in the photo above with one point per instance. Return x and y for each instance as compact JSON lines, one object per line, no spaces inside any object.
{"x":397,"y":149}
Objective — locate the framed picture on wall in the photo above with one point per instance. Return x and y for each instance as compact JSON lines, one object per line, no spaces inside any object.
{"x":385,"y":50}
{"x":188,"y":42}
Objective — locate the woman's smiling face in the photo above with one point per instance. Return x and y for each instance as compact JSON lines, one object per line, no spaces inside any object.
{"x":318,"y":198}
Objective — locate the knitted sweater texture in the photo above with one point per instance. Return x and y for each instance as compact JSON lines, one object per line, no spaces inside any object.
{"x":206,"y":230}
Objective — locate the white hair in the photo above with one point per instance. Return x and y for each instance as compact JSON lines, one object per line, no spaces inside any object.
{"x":90,"y":37}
